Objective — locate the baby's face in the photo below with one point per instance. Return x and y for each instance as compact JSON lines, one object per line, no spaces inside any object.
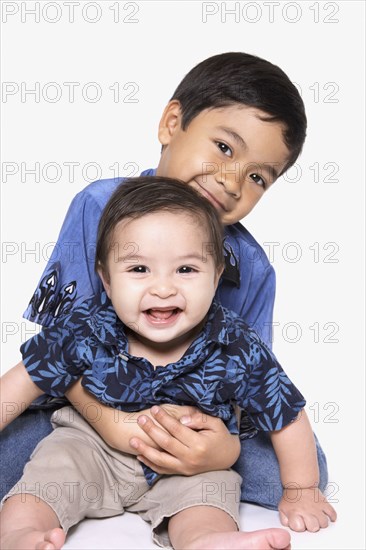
{"x":161,"y":280}
{"x":228,"y":154}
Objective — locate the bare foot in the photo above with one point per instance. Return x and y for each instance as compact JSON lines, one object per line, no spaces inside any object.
{"x":265,"y":539}
{"x":29,"y":539}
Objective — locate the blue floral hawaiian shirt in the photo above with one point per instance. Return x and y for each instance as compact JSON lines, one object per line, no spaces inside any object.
{"x":227,"y":364}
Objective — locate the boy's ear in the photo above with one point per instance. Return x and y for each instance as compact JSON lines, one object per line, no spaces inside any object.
{"x":170,"y":122}
{"x":105,"y":280}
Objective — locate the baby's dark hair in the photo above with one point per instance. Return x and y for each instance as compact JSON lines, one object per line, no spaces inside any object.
{"x":137,"y":197}
{"x":236,"y":77}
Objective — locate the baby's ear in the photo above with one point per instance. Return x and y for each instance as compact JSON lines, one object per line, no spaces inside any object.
{"x":104,"y":275}
{"x":219,"y":272}
{"x":170,"y":122}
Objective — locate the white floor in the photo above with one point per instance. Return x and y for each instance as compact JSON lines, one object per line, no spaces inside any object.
{"x":130,"y":532}
{"x":346,"y":492}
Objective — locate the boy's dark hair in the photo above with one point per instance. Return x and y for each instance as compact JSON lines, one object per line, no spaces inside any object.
{"x":137,"y":197}
{"x":236,"y":77}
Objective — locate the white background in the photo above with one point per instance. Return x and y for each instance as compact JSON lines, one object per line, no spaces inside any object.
{"x":316,"y":222}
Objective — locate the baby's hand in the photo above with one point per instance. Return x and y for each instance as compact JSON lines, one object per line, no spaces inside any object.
{"x":305,"y":510}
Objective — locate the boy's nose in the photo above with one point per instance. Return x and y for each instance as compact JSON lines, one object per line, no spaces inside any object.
{"x":230,"y":179}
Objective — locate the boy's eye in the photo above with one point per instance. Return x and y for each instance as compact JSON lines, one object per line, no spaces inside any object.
{"x":224,"y":148}
{"x":186,"y":269}
{"x":259,"y":180}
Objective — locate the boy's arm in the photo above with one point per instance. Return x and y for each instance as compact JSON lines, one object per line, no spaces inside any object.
{"x":17,"y":393}
{"x":69,"y":277}
{"x":303,"y":506}
{"x":158,"y":436}
{"x":259,"y":303}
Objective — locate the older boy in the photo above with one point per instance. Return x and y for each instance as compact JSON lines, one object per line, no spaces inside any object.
{"x":233,"y":125}
{"x":159,"y":254}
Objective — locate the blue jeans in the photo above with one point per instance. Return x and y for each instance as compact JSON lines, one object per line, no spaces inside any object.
{"x":17,"y":443}
{"x":257,"y":463}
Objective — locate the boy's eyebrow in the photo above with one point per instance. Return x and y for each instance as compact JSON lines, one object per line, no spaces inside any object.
{"x":270,"y":169}
{"x":239,"y":140}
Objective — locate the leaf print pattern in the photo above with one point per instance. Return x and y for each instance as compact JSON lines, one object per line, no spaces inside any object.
{"x":226,"y":364}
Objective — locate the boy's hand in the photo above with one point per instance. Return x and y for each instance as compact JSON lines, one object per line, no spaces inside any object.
{"x":305,"y":510}
{"x":179,"y":411}
{"x":185,"y":450}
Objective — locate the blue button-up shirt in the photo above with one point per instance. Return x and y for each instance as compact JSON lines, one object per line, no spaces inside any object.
{"x":246,"y":287}
{"x":226,"y":364}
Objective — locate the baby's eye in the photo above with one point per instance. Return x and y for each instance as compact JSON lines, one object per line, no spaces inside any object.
{"x":139,"y":269}
{"x":224,"y":148}
{"x":186,"y":269}
{"x":259,"y":180}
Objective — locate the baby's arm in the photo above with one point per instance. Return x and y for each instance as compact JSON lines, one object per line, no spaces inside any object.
{"x":303,"y":506}
{"x":160,"y":440}
{"x":17,"y":392}
{"x":114,"y":426}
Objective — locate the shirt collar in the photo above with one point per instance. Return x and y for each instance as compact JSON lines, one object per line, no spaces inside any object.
{"x":149,"y":172}
{"x":232,"y":268}
{"x":216,"y":325}
{"x":106,"y":325}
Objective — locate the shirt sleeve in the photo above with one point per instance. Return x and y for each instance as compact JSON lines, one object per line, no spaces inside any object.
{"x":264,"y":390}
{"x":69,"y":277}
{"x":51,"y":358}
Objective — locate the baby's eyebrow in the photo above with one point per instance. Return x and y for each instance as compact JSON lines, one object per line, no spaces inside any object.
{"x":194,"y":256}
{"x":139,"y":259}
{"x":130,"y":258}
{"x":239,"y":140}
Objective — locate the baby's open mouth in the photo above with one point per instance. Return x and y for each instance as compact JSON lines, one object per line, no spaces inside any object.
{"x":162,"y":314}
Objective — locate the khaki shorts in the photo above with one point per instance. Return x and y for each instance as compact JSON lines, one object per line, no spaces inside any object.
{"x":80,"y":476}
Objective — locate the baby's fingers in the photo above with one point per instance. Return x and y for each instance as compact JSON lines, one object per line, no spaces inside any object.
{"x":319,"y":516}
{"x":330,"y":512}
{"x":305,"y":521}
{"x":293,"y":520}
{"x":324,"y":506}
{"x":314,"y":523}
{"x":300,"y":522}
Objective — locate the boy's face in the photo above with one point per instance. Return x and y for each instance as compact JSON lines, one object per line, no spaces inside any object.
{"x":228,"y":154}
{"x":161,"y":282}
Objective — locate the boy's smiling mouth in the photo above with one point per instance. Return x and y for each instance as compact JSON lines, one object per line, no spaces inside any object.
{"x":209,"y":196}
